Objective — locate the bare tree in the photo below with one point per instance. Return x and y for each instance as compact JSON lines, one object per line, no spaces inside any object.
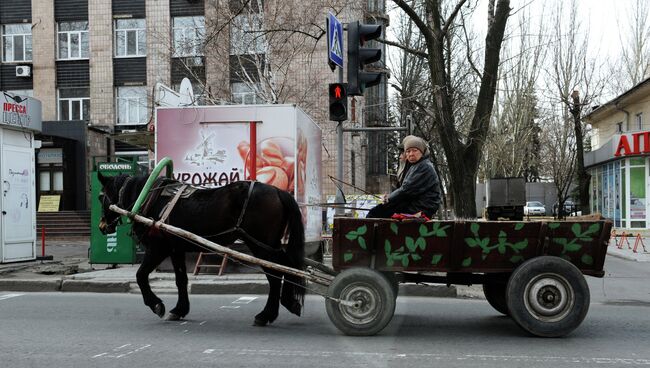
{"x":513,"y":147}
{"x":559,"y":154}
{"x":462,"y":143}
{"x":633,"y":65}
{"x":573,"y":70}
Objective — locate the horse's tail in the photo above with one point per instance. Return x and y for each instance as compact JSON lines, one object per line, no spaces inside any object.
{"x":293,"y":287}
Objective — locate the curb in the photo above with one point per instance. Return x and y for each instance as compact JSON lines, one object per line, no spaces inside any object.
{"x":95,"y":286}
{"x":208,"y":288}
{"x":30,"y":285}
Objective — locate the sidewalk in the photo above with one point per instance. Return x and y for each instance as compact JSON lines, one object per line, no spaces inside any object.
{"x":70,"y":271}
{"x":627,"y":252}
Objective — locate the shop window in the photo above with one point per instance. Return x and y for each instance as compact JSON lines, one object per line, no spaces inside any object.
{"x":130,"y":38}
{"x":637,"y":195}
{"x":189,"y":36}
{"x":73,"y":40}
{"x":74,"y":104}
{"x":17,"y":42}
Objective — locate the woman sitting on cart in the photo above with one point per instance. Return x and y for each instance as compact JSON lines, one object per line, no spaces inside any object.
{"x":419,"y":190}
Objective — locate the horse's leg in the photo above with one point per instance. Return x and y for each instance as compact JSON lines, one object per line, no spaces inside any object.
{"x":180,"y":270}
{"x":152,"y":258}
{"x":270,"y":311}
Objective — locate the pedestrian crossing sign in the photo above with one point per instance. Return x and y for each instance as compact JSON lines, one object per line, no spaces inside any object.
{"x":334,"y":40}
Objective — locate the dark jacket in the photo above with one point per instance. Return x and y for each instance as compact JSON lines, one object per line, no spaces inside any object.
{"x":420,"y":190}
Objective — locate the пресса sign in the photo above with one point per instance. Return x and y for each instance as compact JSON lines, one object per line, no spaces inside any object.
{"x":21,"y":112}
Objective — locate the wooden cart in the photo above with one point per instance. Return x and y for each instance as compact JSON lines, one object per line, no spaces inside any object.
{"x":531,"y":271}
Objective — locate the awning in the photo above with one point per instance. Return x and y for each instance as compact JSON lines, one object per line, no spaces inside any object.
{"x":140,"y":138}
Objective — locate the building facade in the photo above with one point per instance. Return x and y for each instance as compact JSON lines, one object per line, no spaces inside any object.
{"x":619,"y":163}
{"x":97,"y":63}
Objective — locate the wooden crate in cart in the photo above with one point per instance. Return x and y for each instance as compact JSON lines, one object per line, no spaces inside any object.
{"x":531,"y":271}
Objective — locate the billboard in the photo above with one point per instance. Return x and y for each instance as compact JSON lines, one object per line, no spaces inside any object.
{"x":213,"y":146}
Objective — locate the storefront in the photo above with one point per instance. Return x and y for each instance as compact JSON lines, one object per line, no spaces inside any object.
{"x":620,"y":175}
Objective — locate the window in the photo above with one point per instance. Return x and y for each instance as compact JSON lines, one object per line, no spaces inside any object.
{"x":639,"y":121}
{"x":131,"y":105}
{"x":17,"y":42}
{"x":73,"y":40}
{"x":246,"y":37}
{"x":74,"y":104}
{"x":243,"y":94}
{"x":130,"y":38}
{"x":189,"y":35}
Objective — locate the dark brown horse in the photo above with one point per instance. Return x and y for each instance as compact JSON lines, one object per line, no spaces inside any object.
{"x":262,"y":212}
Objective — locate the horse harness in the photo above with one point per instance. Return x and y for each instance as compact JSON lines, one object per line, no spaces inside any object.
{"x":181,"y":190}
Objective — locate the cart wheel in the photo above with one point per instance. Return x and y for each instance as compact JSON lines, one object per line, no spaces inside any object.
{"x":392,"y":279}
{"x":495,"y":293}
{"x":373,"y":297}
{"x":547,"y":296}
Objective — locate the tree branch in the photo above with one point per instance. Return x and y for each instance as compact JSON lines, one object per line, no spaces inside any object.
{"x":415,"y":52}
{"x":453,"y":15}
{"x":426,"y":31}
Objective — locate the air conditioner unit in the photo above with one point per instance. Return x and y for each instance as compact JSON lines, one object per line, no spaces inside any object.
{"x":23,"y":71}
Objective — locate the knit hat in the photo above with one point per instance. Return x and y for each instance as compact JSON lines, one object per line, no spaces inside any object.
{"x":411,"y":141}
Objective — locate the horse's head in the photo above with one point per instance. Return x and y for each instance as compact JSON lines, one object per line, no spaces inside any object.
{"x":110,"y":194}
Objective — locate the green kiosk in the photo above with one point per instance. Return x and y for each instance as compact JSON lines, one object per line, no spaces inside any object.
{"x":119,"y":247}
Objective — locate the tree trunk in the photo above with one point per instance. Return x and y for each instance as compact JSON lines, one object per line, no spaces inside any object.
{"x":464,"y":192}
{"x":583,"y":176}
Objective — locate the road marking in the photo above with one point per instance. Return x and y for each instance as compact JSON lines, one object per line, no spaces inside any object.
{"x":242,"y":300}
{"x":589,"y":362}
{"x":119,"y":353}
{"x":8,"y":296}
{"x":202,"y":323}
{"x":245,"y":300}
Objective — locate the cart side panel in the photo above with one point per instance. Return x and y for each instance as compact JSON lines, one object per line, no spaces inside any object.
{"x":498,"y":246}
{"x":352,"y":242}
{"x":583,"y":243}
{"x":414,"y":246}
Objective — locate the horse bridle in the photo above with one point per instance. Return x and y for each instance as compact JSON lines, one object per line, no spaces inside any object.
{"x":120,"y":195}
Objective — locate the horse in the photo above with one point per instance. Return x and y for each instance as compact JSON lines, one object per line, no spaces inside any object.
{"x":258,"y":214}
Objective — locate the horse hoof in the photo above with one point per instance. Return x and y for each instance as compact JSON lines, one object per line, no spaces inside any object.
{"x":173,"y":317}
{"x":159,"y":309}
{"x":260,"y":322}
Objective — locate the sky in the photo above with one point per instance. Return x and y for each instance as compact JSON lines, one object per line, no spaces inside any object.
{"x":602,"y":20}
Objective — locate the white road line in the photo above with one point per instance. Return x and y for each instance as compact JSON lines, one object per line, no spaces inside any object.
{"x":8,"y":296}
{"x":202,"y":323}
{"x":229,"y":307}
{"x":587,"y":361}
{"x":245,"y":300}
{"x":117,"y":349}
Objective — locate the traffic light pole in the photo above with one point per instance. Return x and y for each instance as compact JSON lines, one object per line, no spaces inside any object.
{"x":339,"y":164}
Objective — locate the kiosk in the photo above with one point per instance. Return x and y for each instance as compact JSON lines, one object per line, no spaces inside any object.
{"x":21,"y":118}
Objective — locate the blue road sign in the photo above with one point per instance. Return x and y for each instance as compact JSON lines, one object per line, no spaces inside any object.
{"x":335,"y":40}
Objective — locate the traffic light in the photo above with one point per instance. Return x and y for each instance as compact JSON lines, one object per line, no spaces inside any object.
{"x":358,"y":56}
{"x":338,"y":102}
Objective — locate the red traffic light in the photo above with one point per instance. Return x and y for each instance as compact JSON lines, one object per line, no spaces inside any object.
{"x":337,"y":91}
{"x":338,"y":97}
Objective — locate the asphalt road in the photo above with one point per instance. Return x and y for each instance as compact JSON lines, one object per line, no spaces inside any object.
{"x":117,"y":330}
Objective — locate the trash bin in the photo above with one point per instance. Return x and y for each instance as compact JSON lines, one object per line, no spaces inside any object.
{"x":119,"y":247}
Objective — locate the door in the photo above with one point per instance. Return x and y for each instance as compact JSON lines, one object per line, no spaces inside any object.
{"x":18,"y":207}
